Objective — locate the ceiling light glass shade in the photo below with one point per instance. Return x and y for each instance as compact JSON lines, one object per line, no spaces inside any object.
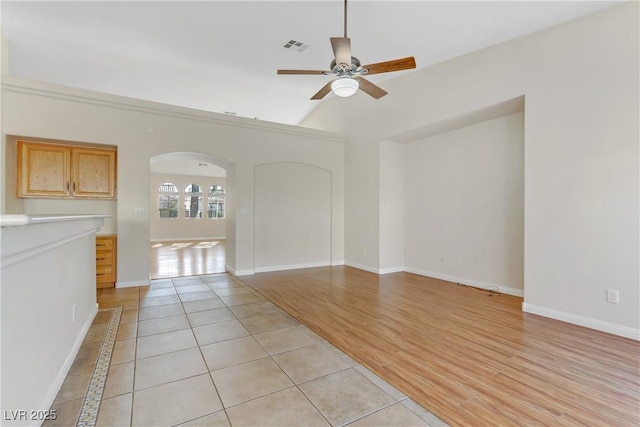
{"x":344,"y":86}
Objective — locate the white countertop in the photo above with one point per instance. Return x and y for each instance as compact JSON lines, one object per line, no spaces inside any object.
{"x":9,"y":220}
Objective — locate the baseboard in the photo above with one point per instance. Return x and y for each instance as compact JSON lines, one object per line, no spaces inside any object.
{"x":362,"y":267}
{"x":587,"y":322}
{"x":390,"y":270}
{"x":186,"y":239}
{"x":64,"y":371}
{"x":291,"y":266}
{"x":468,"y":282}
{"x":235,"y":272}
{"x":374,"y":269}
{"x":337,"y":263}
{"x":133,"y":284}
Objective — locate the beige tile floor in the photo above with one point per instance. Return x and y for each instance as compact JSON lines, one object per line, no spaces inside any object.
{"x":210,"y":351}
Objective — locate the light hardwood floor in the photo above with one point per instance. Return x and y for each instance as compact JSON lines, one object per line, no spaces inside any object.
{"x":187,"y":258}
{"x":470,"y":358}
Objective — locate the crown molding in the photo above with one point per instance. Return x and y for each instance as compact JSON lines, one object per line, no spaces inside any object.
{"x":66,"y":93}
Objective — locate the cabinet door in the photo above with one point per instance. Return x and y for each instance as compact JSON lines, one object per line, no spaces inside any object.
{"x":43,"y":170}
{"x":94,"y":173}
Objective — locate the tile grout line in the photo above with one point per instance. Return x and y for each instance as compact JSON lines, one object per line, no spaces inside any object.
{"x":91,"y":404}
{"x":199,"y":347}
{"x":135,"y":361}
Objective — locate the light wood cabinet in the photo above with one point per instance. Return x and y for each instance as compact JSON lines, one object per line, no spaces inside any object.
{"x":65,"y":171}
{"x":106,"y":260}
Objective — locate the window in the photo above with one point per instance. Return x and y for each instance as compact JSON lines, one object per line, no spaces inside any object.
{"x":192,"y":201}
{"x":168,"y":200}
{"x":216,"y":202}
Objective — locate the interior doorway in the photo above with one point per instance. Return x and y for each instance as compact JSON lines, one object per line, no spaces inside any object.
{"x":188,"y":209}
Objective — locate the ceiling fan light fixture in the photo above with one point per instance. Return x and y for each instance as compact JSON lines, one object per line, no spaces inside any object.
{"x":344,"y":86}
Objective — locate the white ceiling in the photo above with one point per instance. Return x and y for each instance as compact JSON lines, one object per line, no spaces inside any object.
{"x":222,"y":56}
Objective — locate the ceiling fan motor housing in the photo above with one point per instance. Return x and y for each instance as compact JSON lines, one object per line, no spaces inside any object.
{"x":354,"y":70}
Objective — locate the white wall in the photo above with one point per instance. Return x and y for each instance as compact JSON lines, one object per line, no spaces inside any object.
{"x":464,"y":210}
{"x":362,"y":215}
{"x":183,"y":228}
{"x":292,"y":216}
{"x":48,"y":273}
{"x":580,"y":80}
{"x":392,"y":206}
{"x":141,"y":130}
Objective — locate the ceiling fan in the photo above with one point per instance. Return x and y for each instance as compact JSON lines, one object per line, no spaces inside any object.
{"x":348,"y":70}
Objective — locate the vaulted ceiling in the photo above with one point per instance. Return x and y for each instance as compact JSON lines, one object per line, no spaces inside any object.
{"x":222,"y":56}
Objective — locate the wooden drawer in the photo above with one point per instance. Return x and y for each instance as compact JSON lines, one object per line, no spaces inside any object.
{"x":104,"y":243}
{"x":104,"y":271}
{"x":104,"y":257}
{"x":106,"y":260}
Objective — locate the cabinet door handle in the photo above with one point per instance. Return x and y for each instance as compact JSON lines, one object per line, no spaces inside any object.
{"x":100,"y":259}
{"x":74,"y":186}
{"x":67,"y":185}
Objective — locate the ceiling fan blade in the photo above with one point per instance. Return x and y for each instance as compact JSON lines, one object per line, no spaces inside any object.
{"x":323,"y":92}
{"x":394,"y":65}
{"x":369,"y":88}
{"x":342,"y":50}
{"x":317,"y":72}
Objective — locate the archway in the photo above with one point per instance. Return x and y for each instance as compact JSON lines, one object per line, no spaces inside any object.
{"x":189,"y":203}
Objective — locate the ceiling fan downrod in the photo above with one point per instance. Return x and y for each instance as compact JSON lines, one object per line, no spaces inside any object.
{"x":345,"y":19}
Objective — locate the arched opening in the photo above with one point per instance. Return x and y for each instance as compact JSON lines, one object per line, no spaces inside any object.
{"x":188,"y":208}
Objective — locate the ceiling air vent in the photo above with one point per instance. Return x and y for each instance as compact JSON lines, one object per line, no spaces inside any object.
{"x":295,"y":45}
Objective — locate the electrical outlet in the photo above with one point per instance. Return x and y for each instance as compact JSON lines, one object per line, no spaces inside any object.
{"x":613,"y":296}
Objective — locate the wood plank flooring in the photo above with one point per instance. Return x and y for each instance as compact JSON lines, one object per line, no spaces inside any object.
{"x":186,"y":258}
{"x":470,"y":358}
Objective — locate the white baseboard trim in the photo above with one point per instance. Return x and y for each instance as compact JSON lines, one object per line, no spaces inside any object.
{"x":66,"y":367}
{"x":186,"y":239}
{"x":337,"y":263}
{"x":132,"y":284}
{"x":373,"y":269}
{"x":587,"y":322}
{"x":235,"y":272}
{"x":468,"y":282}
{"x":362,"y":267}
{"x":391,"y":270}
{"x":292,"y":266}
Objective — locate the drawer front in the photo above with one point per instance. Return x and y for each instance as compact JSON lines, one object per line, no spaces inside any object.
{"x":104,"y":244}
{"x":104,"y":273}
{"x":104,"y":258}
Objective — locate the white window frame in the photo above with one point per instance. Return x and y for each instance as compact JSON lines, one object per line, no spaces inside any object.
{"x":217,"y":199}
{"x":168,"y":195}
